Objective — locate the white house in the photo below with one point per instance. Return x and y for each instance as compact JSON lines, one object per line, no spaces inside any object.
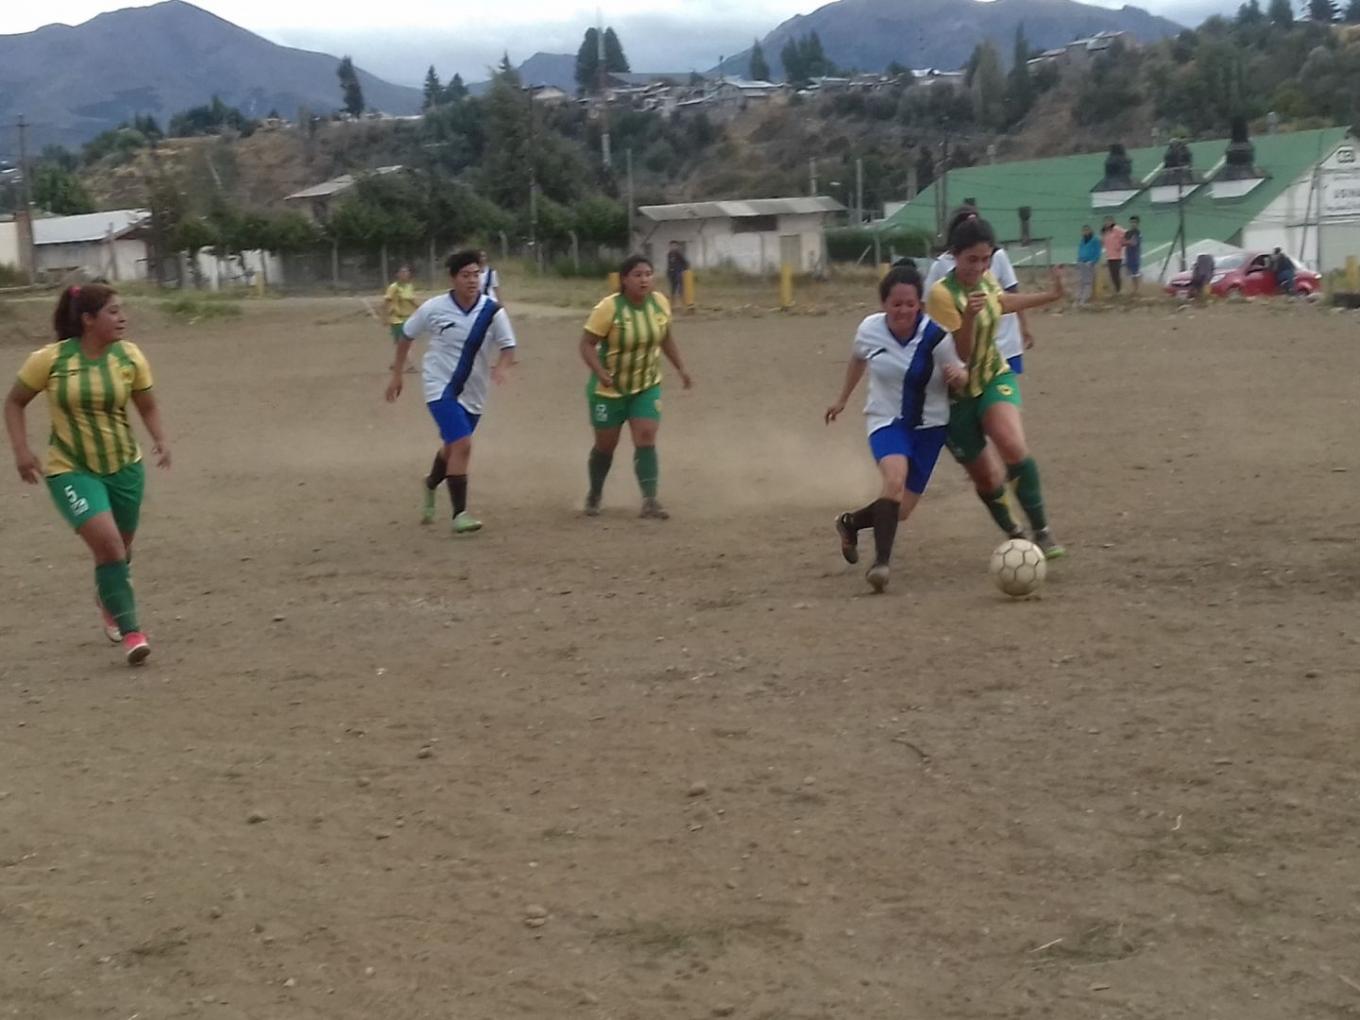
{"x":754,"y":236}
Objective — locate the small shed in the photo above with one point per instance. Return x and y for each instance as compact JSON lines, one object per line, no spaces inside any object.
{"x":755,"y":236}
{"x":110,"y":244}
{"x":318,"y":200}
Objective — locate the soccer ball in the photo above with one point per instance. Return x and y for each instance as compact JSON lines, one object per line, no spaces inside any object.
{"x":1018,"y":567}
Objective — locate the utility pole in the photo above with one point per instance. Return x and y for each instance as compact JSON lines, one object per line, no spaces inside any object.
{"x":812,"y":175}
{"x":533,"y":185}
{"x":629,"y":157}
{"x":1180,"y":215}
{"x":23,"y":217}
{"x":943,"y":189}
{"x":859,"y":192}
{"x":605,"y":155}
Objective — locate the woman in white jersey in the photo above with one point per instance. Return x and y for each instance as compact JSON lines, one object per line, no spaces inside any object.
{"x":465,"y":326}
{"x":909,"y":360}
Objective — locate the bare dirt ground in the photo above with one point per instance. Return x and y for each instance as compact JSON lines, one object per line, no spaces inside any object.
{"x":734,"y":782}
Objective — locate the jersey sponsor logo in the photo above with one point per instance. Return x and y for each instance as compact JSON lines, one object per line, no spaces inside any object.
{"x":601,"y":412}
{"x":1005,"y":390}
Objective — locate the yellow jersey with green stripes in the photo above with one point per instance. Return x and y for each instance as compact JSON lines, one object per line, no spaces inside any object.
{"x":630,"y":341}
{"x":87,"y":401}
{"x":946,"y":304}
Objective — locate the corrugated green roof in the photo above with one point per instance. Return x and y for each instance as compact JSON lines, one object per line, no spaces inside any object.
{"x":1059,"y":193}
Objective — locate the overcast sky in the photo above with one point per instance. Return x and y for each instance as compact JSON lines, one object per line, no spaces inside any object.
{"x":398,"y":41}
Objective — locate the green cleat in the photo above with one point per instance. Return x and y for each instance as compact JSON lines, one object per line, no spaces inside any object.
{"x":466,"y":524}
{"x":1050,"y":546}
{"x":427,"y":507}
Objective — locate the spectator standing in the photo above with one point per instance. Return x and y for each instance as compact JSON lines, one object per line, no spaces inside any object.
{"x":1088,"y":257}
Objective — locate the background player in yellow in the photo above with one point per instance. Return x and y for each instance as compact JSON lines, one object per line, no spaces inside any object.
{"x":969,"y":303}
{"x":622,"y":345}
{"x":400,"y":304}
{"x":94,"y":465}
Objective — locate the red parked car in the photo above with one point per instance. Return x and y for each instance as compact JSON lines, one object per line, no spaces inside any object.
{"x":1246,"y":275}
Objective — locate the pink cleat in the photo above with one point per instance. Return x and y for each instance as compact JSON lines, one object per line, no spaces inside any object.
{"x":136,"y":648}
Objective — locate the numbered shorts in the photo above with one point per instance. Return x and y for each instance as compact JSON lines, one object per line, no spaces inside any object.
{"x":921,"y":447}
{"x":454,"y":420}
{"x":966,"y":438}
{"x":613,"y":412}
{"x":81,"y":496}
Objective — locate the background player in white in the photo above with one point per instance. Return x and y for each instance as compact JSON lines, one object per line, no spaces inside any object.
{"x":465,"y":326}
{"x":910,"y":361}
{"x":489,"y":282}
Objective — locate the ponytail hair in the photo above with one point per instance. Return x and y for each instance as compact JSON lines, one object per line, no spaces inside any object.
{"x":75,"y":303}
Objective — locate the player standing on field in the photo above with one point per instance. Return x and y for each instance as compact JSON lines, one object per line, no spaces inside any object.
{"x":489,"y":281}
{"x":970,"y":303}
{"x":399,"y":303}
{"x":622,"y":345}
{"x":909,"y":359}
{"x":465,"y":326}
{"x":94,"y":465}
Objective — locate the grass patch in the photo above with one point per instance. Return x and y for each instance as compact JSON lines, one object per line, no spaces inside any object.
{"x":192,"y":308}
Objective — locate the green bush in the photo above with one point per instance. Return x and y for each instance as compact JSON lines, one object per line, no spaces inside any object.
{"x":847,"y":244}
{"x":12,"y":276}
{"x":193,"y":308}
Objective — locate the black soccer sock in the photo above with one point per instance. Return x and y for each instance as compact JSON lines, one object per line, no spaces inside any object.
{"x":885,"y":528}
{"x":458,"y":493}
{"x":598,"y":468}
{"x":438,"y":470}
{"x":863,"y":518}
{"x":999,"y":508}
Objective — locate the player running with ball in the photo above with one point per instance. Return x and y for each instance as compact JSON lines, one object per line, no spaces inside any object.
{"x":970,"y":303}
{"x":910,"y":361}
{"x":465,"y":326}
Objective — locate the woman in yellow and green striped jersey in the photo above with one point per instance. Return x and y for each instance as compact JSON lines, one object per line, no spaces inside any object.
{"x":94,"y":466}
{"x":622,"y":345}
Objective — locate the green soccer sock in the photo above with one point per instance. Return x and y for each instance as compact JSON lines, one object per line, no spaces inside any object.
{"x":599,"y":470}
{"x":114,"y":584}
{"x":1031,"y":496}
{"x":648,"y":469}
{"x":998,"y":506}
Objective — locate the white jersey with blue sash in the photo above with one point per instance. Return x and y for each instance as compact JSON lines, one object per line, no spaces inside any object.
{"x":463,"y":344}
{"x":906,"y":377}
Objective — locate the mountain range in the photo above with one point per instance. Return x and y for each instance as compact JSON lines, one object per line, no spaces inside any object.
{"x":868,"y":35}
{"x":165,"y":58}
{"x":72,"y":82}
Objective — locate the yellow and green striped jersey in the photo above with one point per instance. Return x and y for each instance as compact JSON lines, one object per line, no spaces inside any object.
{"x":630,"y":341}
{"x":87,"y":401}
{"x":946,"y":305}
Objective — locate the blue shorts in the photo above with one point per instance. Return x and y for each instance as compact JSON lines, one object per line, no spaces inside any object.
{"x":921,"y":447}
{"x":454,"y":420}
{"x":1133,"y":261}
{"x":1017,"y":364}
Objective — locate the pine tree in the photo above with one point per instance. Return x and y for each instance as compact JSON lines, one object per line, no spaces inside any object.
{"x":455,"y":91}
{"x":1324,"y":11}
{"x":1250,"y":13}
{"x":614,"y":59}
{"x":760,"y":67}
{"x":1352,"y":15}
{"x":1020,"y":91}
{"x":434,"y":92}
{"x":988,"y":86}
{"x":1280,"y":13}
{"x":351,"y":94}
{"x":588,"y":62}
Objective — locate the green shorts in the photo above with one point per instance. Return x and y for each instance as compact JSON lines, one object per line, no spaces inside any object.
{"x":966,"y":439}
{"x":613,"y":412}
{"x":80,"y":496}
{"x":397,"y":334}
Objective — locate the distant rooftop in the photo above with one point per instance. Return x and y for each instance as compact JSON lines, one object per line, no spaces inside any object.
{"x":87,"y":227}
{"x":736,"y":210}
{"x":337,"y":184}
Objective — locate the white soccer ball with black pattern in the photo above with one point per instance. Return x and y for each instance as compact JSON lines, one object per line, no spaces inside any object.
{"x":1019,"y":567}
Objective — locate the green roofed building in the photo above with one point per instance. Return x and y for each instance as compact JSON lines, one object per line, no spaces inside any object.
{"x":1298,"y":191}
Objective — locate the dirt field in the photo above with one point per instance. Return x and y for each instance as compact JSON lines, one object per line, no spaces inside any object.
{"x":735,"y":783}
